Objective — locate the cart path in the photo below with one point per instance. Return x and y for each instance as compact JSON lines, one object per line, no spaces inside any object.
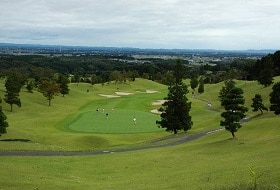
{"x":168,"y":141}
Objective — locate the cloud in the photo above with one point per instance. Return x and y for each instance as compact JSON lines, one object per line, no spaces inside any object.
{"x":232,"y":24}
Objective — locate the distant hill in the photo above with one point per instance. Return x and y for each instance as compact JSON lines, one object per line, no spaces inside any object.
{"x":133,"y":50}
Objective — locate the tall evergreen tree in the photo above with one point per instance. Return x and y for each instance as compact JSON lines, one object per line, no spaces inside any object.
{"x":232,"y":99}
{"x":265,"y":70}
{"x":229,"y":84}
{"x":200,"y":89}
{"x":13,"y":86}
{"x":63,"y":84}
{"x":258,"y":104}
{"x":194,"y":82}
{"x":275,"y":98}
{"x":3,"y":123}
{"x":276,"y":61}
{"x":175,"y":111}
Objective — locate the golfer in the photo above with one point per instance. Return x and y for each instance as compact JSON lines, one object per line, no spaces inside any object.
{"x":134,"y":120}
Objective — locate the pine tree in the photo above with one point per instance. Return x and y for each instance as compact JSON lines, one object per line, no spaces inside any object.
{"x":229,"y":84}
{"x":200,"y":89}
{"x":258,"y":104}
{"x":275,"y":98}
{"x":265,"y":70}
{"x":13,"y":86}
{"x":232,"y":99}
{"x":3,"y":123}
{"x":194,"y":82}
{"x":175,"y":111}
{"x":63,"y":83}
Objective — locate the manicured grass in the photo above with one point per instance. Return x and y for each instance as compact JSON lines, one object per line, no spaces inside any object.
{"x":118,"y":121}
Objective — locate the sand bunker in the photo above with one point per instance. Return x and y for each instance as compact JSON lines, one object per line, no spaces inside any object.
{"x":158,"y":102}
{"x":148,"y":91}
{"x":109,"y":96}
{"x":155,"y":111}
{"x":123,"y":93}
{"x":151,"y":91}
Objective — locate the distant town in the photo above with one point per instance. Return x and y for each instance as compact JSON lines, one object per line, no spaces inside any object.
{"x":193,"y":56}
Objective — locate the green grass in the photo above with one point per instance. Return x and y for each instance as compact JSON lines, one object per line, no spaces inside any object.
{"x":211,"y":162}
{"x":215,"y":161}
{"x":119,"y":121}
{"x":44,"y":125}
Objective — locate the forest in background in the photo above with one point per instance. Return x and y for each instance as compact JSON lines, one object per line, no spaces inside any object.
{"x":123,"y":67}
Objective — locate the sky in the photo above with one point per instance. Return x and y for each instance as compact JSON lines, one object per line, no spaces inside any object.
{"x":168,"y":24}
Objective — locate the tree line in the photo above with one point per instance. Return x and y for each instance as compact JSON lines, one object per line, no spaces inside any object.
{"x":124,"y":68}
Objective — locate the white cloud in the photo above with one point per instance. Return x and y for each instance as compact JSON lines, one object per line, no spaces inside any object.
{"x":220,"y":24}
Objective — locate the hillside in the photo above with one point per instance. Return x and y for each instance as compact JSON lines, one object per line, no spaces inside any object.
{"x":34,"y":120}
{"x":42,"y":125}
{"x":215,"y":161}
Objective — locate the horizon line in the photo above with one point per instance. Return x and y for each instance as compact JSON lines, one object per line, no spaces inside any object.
{"x":127,"y":47}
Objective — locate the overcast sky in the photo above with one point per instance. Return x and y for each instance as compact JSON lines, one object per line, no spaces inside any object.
{"x":187,"y":24}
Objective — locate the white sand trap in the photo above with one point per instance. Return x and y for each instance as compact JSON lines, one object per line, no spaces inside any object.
{"x":123,"y":93}
{"x":151,"y":91}
{"x":155,"y":111}
{"x":158,"y":102}
{"x":109,"y":96}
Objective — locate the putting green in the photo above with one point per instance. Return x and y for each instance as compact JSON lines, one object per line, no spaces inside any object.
{"x":118,"y":121}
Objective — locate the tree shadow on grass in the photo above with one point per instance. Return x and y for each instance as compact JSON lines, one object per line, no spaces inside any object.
{"x":230,"y":140}
{"x":259,"y":115}
{"x":15,"y":140}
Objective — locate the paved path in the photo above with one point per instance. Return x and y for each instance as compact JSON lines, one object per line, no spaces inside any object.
{"x":171,"y":140}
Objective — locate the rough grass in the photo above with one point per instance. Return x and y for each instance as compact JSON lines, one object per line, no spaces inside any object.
{"x":215,"y":161}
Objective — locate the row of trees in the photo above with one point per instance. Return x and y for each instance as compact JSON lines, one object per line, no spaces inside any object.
{"x":175,"y":111}
{"x":49,"y":87}
{"x":233,"y":101}
{"x":195,"y":82}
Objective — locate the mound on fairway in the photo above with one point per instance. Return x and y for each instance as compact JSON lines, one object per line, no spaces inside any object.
{"x":118,"y":121}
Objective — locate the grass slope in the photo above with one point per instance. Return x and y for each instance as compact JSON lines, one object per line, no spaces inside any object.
{"x":215,"y":161}
{"x":45,"y":127}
